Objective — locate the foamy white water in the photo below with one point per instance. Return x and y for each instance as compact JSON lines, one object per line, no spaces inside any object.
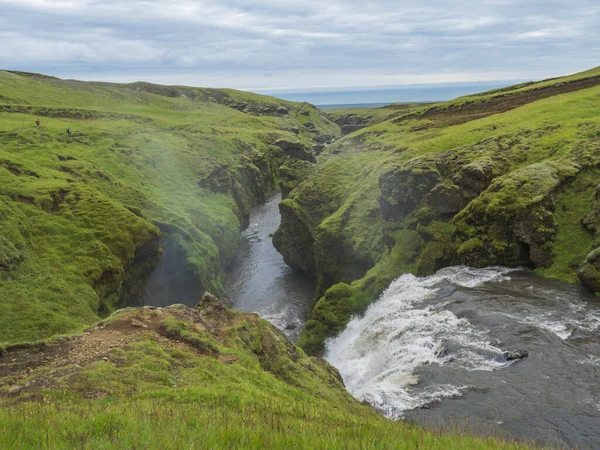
{"x":380,"y":353}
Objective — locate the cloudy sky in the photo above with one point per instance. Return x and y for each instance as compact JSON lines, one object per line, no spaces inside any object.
{"x":284,"y":44}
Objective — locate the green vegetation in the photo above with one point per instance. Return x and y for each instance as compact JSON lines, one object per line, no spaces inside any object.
{"x":155,"y":182}
{"x":353,"y":119}
{"x":505,"y":177}
{"x":191,"y":378}
{"x":148,"y":168}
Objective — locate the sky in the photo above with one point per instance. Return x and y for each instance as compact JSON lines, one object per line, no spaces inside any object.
{"x":285,"y":45}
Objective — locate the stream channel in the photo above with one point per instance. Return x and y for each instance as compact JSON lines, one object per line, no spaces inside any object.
{"x":431,"y":350}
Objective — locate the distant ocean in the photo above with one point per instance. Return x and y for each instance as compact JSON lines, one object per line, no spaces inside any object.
{"x":370,"y":98}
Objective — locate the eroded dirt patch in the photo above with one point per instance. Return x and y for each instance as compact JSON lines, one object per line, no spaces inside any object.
{"x":27,"y":370}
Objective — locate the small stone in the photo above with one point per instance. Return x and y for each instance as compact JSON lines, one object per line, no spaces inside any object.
{"x":15,"y":390}
{"x":136,"y":323}
{"x":105,"y":358}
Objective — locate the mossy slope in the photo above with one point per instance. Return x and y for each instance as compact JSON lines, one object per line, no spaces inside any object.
{"x":505,"y":177}
{"x":354,"y":119}
{"x":180,"y":377}
{"x":84,"y":218}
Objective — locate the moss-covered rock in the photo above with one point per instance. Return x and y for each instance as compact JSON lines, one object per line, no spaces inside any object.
{"x":295,"y":240}
{"x":295,"y":149}
{"x":589,"y":272}
{"x":404,"y":187}
{"x":447,"y":198}
{"x":292,"y":173}
{"x":512,"y":222}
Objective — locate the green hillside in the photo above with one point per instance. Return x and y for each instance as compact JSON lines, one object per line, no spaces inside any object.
{"x":146,"y":199}
{"x":506,"y":177}
{"x":190,"y":378}
{"x":148,"y":169}
{"x":354,"y":119}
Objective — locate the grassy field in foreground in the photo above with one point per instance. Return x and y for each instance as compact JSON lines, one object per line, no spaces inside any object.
{"x":184,"y":378}
{"x":219,"y":423}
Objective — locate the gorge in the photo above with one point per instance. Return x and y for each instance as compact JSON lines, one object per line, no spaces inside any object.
{"x":442,"y":257}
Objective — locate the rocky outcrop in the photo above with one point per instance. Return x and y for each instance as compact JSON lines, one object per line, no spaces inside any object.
{"x":447,"y":199}
{"x":295,"y":240}
{"x":512,"y":222}
{"x":292,"y":173}
{"x":349,"y":123}
{"x":404,"y":187}
{"x":589,"y":272}
{"x":202,"y":336}
{"x":296,"y":149}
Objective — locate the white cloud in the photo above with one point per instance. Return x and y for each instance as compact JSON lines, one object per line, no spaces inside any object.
{"x":287,"y":43}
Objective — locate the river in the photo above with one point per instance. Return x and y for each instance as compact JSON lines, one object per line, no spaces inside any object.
{"x":432,"y":350}
{"x":259,"y":281}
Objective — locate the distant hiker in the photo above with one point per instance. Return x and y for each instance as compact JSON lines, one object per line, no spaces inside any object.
{"x":37,"y":122}
{"x":69,"y":131}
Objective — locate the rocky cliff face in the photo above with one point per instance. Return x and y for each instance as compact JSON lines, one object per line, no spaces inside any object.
{"x":481,"y":181}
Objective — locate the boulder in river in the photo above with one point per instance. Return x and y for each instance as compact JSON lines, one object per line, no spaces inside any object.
{"x":516,"y":355}
{"x":441,"y":349}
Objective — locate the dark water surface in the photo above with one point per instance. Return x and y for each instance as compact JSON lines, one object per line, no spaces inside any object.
{"x":431,"y":350}
{"x":259,"y":281}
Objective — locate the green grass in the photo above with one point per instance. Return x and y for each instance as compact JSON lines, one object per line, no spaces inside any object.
{"x":83,"y":217}
{"x":199,"y":419}
{"x":259,"y":392}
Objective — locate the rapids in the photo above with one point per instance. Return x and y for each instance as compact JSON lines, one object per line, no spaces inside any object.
{"x":431,"y":350}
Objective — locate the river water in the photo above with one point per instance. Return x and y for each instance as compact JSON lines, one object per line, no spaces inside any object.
{"x":432,"y":350}
{"x":259,"y":281}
